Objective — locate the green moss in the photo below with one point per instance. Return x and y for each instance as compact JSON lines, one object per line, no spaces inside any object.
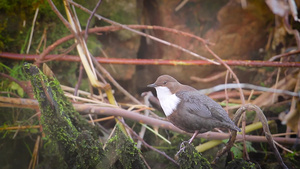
{"x":189,"y":158}
{"x":122,"y":152}
{"x":240,"y":164}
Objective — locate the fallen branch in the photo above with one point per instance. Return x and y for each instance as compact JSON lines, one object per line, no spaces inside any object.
{"x":93,"y":109}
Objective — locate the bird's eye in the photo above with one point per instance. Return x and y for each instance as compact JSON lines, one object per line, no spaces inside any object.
{"x":165,"y":82}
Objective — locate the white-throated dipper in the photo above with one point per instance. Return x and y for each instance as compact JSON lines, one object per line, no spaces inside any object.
{"x":188,"y":109}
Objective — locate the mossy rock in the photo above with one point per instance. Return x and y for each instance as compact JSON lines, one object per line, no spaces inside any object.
{"x":122,"y":153}
{"x":189,"y":158}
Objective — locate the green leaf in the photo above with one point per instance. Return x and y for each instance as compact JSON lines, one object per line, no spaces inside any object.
{"x":237,"y":149}
{"x":17,"y":87}
{"x":236,"y":152}
{"x":20,"y":91}
{"x":249,"y":147}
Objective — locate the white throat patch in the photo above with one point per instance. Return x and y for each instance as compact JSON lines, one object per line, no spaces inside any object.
{"x":168,"y":101}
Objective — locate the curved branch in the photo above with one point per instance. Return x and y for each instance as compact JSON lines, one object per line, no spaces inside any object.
{"x":266,"y":129}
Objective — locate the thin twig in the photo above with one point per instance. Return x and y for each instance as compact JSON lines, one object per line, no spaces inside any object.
{"x":225,"y":89}
{"x":19,"y":127}
{"x":247,"y":86}
{"x":90,"y":101}
{"x":32,"y":29}
{"x":245,"y":152}
{"x":146,"y":113}
{"x":284,"y":134}
{"x":68,"y":50}
{"x":89,"y":20}
{"x":84,"y":93}
{"x":43,"y":39}
{"x":91,"y":119}
{"x":284,"y":54}
{"x":208,"y":79}
{"x":276,"y":82}
{"x":79,"y":80}
{"x":106,"y":56}
{"x":181,"y":4}
{"x":285,"y":149}
{"x":10,"y":93}
{"x":104,"y":118}
{"x":33,"y":161}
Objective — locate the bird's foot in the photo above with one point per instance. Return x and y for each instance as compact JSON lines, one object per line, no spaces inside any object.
{"x":182,"y":147}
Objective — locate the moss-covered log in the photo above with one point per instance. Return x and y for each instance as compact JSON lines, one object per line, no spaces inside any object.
{"x":63,"y":124}
{"x":76,"y":139}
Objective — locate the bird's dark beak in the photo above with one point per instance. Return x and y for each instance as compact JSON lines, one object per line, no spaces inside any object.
{"x":152,"y":85}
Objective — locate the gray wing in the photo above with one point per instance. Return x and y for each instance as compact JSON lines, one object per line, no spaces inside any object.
{"x":197,"y":108}
{"x":220,"y":114}
{"x":202,"y":106}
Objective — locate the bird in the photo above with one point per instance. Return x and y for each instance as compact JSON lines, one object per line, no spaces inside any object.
{"x":188,"y":109}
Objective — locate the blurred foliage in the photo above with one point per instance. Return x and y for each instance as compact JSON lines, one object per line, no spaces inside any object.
{"x":240,"y":163}
{"x":237,"y":149}
{"x":16,"y":22}
{"x":15,"y":71}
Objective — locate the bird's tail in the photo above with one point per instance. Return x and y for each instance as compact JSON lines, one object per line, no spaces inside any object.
{"x":234,"y":127}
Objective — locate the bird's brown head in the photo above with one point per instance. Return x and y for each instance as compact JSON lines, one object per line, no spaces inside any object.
{"x":166,"y":81}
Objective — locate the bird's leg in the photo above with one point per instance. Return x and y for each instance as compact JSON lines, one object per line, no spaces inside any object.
{"x":193,"y":137}
{"x":182,"y":146}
